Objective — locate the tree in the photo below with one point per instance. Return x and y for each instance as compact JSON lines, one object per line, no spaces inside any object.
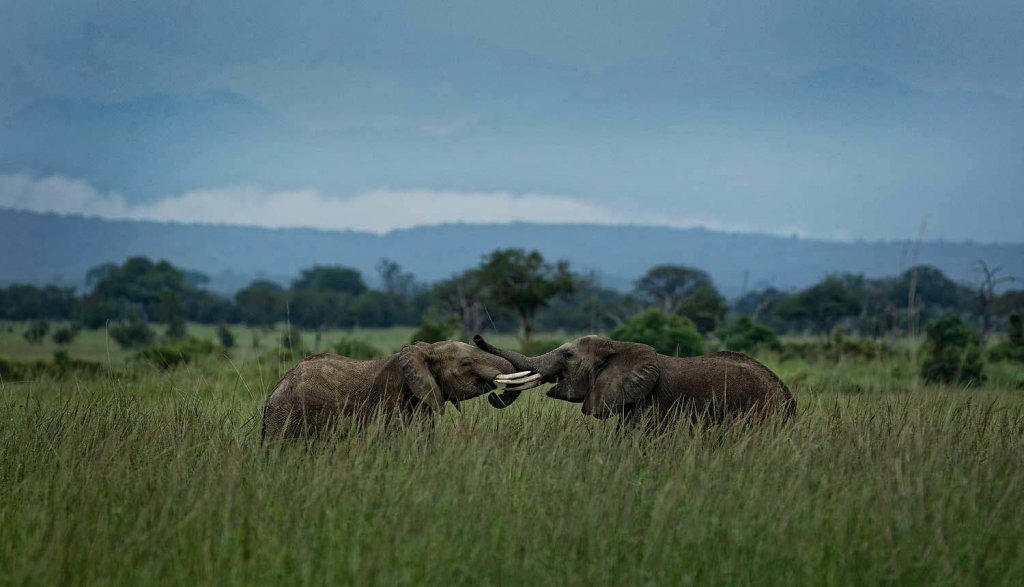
{"x":748,"y":336}
{"x":394,"y":280}
{"x":951,"y":351}
{"x":65,"y":335}
{"x":1010,"y":302}
{"x":28,"y":302}
{"x":678,"y":289}
{"x":318,"y":309}
{"x":142,"y":283}
{"x":131,"y":334}
{"x":261,"y":303}
{"x":669,"y":334}
{"x":524,"y":283}
{"x":357,"y":349}
{"x":754,"y":303}
{"x":433,"y":328}
{"x":225,"y":336}
{"x":37,"y":331}
{"x":1011,"y":349}
{"x":823,"y":305}
{"x":172,"y":313}
{"x":333,"y":278}
{"x":988,"y":281}
{"x":462,"y":298}
{"x":590,"y":307}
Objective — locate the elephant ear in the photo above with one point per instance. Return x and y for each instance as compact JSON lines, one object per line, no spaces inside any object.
{"x":628,"y":376}
{"x":415,"y":361}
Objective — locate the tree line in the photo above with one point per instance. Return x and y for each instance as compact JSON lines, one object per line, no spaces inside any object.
{"x":513,"y":289}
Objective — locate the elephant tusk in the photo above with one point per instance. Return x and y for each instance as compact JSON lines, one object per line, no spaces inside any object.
{"x":518,"y":381}
{"x":523,"y":384}
{"x":512,"y":375}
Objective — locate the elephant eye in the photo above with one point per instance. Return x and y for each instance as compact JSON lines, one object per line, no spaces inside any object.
{"x":568,"y":353}
{"x":466,"y":363}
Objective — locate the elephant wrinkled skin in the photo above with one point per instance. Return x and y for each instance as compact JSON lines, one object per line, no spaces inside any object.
{"x":612,"y":377}
{"x":323,"y":388}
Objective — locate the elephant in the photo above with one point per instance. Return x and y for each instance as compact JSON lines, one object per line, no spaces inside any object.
{"x":611,"y":377}
{"x":323,"y":388}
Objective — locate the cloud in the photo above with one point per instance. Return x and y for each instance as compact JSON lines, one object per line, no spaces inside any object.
{"x":377,"y":210}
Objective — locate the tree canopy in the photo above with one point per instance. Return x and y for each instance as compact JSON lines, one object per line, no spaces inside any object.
{"x":523,"y":282}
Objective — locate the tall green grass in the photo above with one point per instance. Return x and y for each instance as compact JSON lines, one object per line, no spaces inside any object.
{"x":159,"y":477}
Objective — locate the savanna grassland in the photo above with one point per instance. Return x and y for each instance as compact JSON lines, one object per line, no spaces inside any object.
{"x":142,"y":475}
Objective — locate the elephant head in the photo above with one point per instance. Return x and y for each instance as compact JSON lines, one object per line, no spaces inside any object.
{"x":450,"y":371}
{"x":605,"y":375}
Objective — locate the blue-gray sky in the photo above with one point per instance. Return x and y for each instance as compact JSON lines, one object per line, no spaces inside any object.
{"x":830,"y":119}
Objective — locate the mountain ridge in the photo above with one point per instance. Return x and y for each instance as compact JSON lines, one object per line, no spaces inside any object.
{"x":53,"y":248}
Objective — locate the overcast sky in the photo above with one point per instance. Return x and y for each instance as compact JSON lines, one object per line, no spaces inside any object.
{"x":830,"y":119}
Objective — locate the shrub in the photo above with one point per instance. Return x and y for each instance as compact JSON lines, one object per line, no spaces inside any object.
{"x":132,"y":334}
{"x":176,"y":328}
{"x":61,"y":366}
{"x":837,"y":347}
{"x":64,"y":365}
{"x":748,"y":336}
{"x":1011,"y":349}
{"x":176,"y":352}
{"x":433,"y":329}
{"x":951,"y":352}
{"x":669,"y":334}
{"x":357,"y":349}
{"x":224,"y":335}
{"x":539,"y":346}
{"x":292,"y":347}
{"x":65,"y":335}
{"x":37,"y":331}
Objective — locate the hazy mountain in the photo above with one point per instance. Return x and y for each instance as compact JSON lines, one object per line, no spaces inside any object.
{"x":44,"y":248}
{"x":536,"y":126}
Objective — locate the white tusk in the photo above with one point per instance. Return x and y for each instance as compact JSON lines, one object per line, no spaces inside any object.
{"x":512,"y":375}
{"x":534,"y":377}
{"x":522,"y":387}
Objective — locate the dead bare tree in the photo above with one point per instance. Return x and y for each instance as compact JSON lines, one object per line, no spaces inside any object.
{"x":988,"y":281}
{"x":462,"y":299}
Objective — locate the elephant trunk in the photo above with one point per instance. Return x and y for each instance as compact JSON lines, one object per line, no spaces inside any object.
{"x":521,"y":362}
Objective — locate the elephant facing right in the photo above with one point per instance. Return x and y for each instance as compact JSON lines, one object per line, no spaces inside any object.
{"x":611,"y":377}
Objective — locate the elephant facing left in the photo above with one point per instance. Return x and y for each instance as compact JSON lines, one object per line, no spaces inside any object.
{"x":324,"y":388}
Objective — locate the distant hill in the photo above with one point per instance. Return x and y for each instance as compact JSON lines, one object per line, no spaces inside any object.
{"x":50,"y":248}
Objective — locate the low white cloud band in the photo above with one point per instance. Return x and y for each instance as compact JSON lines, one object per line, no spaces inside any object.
{"x":378,"y":210}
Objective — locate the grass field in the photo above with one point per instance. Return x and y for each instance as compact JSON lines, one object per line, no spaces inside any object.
{"x":149,"y":476}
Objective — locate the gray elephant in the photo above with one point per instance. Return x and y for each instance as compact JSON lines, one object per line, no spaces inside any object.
{"x":611,"y":377}
{"x":321,"y":389}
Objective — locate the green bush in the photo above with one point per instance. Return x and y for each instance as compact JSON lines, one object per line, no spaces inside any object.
{"x":669,"y":334}
{"x":225,"y":336}
{"x":748,"y":336}
{"x":60,"y":367}
{"x":357,"y":349}
{"x":292,"y":347}
{"x":37,"y":331}
{"x":65,"y":335}
{"x":837,"y":347}
{"x":132,"y":334}
{"x":175,"y":352}
{"x":951,"y":353}
{"x":433,"y":329}
{"x":539,"y":346}
{"x":1011,"y":349}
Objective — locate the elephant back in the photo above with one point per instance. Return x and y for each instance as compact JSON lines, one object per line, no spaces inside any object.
{"x":728,"y":382}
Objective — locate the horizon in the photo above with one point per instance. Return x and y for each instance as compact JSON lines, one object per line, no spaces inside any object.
{"x":512,"y":223}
